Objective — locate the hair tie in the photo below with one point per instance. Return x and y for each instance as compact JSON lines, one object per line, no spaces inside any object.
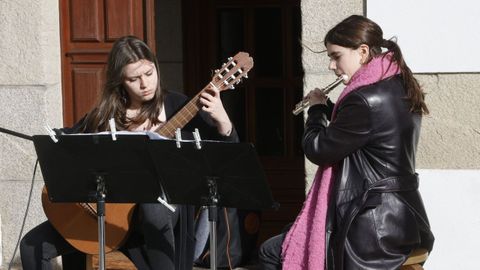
{"x":386,"y":43}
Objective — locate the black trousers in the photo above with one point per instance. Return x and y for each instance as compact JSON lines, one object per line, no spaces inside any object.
{"x":151,"y":244}
{"x":269,"y":255}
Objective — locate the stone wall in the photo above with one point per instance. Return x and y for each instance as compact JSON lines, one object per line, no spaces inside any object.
{"x":30,"y":97}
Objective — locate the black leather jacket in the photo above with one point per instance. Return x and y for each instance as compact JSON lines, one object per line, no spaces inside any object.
{"x":376,"y":216}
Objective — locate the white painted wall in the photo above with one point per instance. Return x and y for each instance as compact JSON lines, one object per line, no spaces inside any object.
{"x":435,"y":31}
{"x":453,"y":207}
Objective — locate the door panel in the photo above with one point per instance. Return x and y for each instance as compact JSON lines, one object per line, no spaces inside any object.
{"x":89,"y":28}
{"x":85,"y":20}
{"x":122,"y":16}
{"x":270,"y":127}
{"x":86,"y":79}
{"x":268,"y":42}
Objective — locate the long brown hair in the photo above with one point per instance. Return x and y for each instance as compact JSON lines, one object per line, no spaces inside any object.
{"x":357,"y":30}
{"x":114,"y":100}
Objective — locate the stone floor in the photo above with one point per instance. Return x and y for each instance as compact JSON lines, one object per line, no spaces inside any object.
{"x":248,"y":267}
{"x":251,"y":266}
{"x":117,"y":261}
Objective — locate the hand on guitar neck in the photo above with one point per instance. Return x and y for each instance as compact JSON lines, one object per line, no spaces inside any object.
{"x":211,"y":103}
{"x":230,"y":74}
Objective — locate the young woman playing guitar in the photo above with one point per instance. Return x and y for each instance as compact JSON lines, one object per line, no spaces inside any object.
{"x":132,"y":95}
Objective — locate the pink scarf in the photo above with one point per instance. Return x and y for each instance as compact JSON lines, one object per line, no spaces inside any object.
{"x":304,"y":245}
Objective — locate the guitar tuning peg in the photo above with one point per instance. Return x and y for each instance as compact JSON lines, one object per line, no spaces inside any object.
{"x":216,"y":70}
{"x":232,"y":87}
{"x":246,"y":76}
{"x":230,"y":58}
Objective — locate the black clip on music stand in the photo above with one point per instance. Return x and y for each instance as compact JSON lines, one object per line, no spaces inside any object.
{"x":94,"y":168}
{"x":219,"y":174}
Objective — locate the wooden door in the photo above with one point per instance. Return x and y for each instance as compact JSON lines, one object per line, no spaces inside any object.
{"x":261,"y":108}
{"x":88,"y":30}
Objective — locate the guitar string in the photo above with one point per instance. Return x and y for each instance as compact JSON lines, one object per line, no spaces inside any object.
{"x":191,"y":108}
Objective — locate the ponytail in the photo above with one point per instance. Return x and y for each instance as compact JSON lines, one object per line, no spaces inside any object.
{"x":414,"y":91}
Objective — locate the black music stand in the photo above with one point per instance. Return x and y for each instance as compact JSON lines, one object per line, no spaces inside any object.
{"x":219,"y":174}
{"x":95,"y":168}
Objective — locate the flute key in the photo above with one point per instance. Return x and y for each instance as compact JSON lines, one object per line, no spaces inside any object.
{"x":302,"y":105}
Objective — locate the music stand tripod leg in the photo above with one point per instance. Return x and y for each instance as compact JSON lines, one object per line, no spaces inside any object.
{"x":213,"y":218}
{"x":101,"y":220}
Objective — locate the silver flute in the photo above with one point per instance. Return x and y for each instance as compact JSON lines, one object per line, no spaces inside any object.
{"x":302,"y":105}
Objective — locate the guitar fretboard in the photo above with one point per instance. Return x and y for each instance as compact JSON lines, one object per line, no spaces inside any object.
{"x":181,"y":118}
{"x":225,"y":78}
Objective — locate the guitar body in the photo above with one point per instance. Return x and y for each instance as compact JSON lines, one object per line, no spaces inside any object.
{"x":79,"y":226}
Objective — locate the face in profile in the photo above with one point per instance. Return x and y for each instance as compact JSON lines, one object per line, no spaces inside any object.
{"x":345,"y":60}
{"x":140,"y":81}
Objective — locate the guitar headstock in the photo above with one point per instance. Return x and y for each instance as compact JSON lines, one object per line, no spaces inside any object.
{"x":233,"y":71}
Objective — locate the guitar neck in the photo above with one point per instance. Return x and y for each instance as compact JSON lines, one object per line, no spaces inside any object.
{"x":181,"y":118}
{"x":225,"y":78}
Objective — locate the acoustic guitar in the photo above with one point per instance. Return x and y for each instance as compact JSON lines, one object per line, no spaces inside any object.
{"x":77,"y":222}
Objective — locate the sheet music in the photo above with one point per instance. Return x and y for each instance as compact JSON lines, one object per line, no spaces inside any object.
{"x":151,"y":135}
